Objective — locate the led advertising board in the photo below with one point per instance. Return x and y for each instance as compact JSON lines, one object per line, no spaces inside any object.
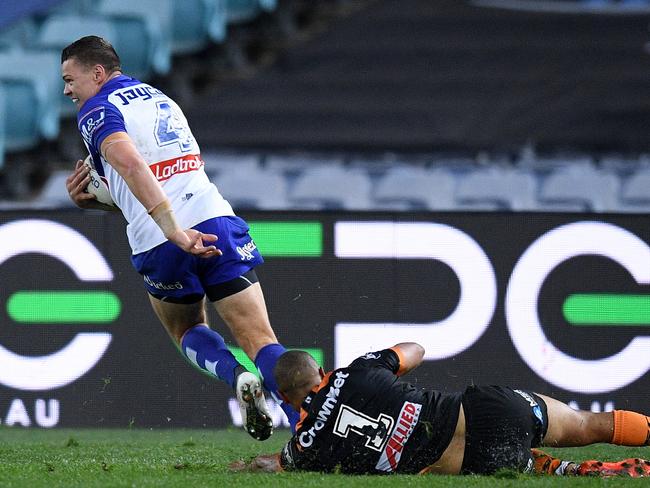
{"x":556,"y":303}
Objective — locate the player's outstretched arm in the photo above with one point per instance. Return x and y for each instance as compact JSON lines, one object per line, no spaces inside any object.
{"x":266,"y":463}
{"x":120,"y":152}
{"x":410,"y":356}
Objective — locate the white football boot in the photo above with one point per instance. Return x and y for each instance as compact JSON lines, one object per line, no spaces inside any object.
{"x":255,"y":413}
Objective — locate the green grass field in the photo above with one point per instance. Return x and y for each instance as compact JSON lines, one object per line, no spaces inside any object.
{"x":194,"y":458}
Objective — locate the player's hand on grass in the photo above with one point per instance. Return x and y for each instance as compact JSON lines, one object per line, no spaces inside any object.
{"x":193,"y":241}
{"x":269,"y":463}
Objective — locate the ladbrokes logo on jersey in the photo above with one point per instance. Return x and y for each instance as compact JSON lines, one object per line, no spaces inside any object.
{"x":166,"y":169}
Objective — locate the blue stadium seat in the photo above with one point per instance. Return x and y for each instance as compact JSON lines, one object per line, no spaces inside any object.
{"x":497,"y":188}
{"x":291,"y":165}
{"x":3,"y":124}
{"x":144,"y":32}
{"x":580,"y":188}
{"x":635,"y":194}
{"x":32,"y":85}
{"x":332,"y":187}
{"x":414,"y":188}
{"x":57,"y":31}
{"x":77,"y":7}
{"x":261,"y":189}
{"x":239,"y":11}
{"x":19,"y":34}
{"x":23,"y":100}
{"x":221,"y":163}
{"x":197,"y":23}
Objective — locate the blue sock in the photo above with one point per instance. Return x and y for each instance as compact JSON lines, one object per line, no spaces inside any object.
{"x":207,"y":350}
{"x":265,"y":361}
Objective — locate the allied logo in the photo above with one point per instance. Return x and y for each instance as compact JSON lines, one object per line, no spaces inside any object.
{"x":406,"y":422}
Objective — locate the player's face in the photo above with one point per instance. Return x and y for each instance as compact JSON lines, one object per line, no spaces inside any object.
{"x":80,"y":81}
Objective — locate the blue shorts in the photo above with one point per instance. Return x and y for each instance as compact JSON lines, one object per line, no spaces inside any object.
{"x":168,"y":271}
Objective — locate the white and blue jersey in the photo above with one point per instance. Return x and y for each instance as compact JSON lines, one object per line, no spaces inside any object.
{"x":162,"y":136}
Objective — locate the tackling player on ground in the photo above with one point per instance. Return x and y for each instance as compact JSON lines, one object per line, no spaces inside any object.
{"x":141,"y":143}
{"x":364,"y":420}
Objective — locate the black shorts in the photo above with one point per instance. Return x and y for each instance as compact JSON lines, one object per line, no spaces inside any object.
{"x":501,"y":425}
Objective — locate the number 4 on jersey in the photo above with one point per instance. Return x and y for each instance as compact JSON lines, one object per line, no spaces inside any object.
{"x":375,"y":430}
{"x":170,"y":128}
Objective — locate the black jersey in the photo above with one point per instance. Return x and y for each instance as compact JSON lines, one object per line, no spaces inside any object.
{"x":364,"y":419}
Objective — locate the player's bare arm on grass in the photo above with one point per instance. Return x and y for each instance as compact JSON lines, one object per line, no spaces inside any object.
{"x":266,"y":463}
{"x":410,"y":356}
{"x":120,"y":152}
{"x":76,"y":185}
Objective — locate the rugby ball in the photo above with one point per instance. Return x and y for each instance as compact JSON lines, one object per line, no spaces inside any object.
{"x":97,"y":185}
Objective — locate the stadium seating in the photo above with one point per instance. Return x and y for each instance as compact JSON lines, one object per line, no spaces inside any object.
{"x":221,"y":163}
{"x":497,"y":188}
{"x":57,"y":31}
{"x":544,"y":165}
{"x":635,"y":194}
{"x":197,"y":23}
{"x":19,"y":34}
{"x":32,"y":81}
{"x":308,"y":182}
{"x":262,"y":189}
{"x":143,"y":30}
{"x":239,"y":11}
{"x":326,"y":187}
{"x":580,"y":188}
{"x":3,"y":122}
{"x":76,"y":7}
{"x":147,"y":32}
{"x":293,"y":165}
{"x":22,"y":99}
{"x":414,"y":188}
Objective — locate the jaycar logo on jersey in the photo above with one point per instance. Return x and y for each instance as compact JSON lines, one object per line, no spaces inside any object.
{"x":406,"y":422}
{"x":307,"y":437}
{"x":166,"y":169}
{"x":92,"y":121}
